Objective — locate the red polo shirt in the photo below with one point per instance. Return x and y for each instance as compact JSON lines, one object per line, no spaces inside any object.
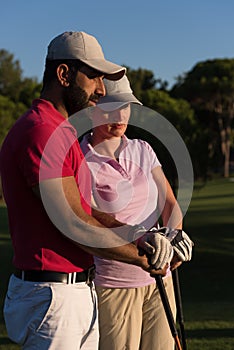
{"x":37,"y":243}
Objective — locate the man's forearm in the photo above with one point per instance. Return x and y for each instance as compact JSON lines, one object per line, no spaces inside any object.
{"x":126,"y":253}
{"x":106,"y":219}
{"x":85,"y":230}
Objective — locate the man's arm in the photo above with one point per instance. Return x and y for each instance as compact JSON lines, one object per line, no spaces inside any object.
{"x":62,"y":203}
{"x":106,"y":219}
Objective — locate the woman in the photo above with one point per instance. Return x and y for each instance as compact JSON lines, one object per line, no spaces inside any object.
{"x":131,"y":314}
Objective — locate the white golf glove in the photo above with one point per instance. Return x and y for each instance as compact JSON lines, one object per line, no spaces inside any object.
{"x":180,"y":241}
{"x":159,"y":249}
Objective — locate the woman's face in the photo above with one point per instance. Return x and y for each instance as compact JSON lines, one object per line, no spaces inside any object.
{"x":111,"y":124}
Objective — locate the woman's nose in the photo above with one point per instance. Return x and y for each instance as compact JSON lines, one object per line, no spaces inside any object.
{"x":116,"y":116}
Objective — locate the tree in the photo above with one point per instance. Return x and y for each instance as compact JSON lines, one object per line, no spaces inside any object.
{"x":10,"y":76}
{"x":143,"y":79}
{"x":181,"y":115}
{"x":16,"y":92}
{"x":140,"y":80}
{"x":30,"y":89}
{"x":152,"y":93}
{"x":12,"y":83}
{"x":209,"y":87}
{"x":9,"y":112}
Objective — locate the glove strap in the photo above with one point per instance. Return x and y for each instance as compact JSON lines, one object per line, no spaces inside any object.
{"x":167,"y":232}
{"x":136,"y":232}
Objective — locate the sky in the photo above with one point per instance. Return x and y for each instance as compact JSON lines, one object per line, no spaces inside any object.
{"x":168,"y":37}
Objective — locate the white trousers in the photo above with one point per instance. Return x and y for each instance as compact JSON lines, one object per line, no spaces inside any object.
{"x":53,"y":316}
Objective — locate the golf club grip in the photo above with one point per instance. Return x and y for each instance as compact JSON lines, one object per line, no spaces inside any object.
{"x":166,"y":305}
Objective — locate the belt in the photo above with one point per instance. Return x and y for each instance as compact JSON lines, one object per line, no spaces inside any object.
{"x":53,"y":276}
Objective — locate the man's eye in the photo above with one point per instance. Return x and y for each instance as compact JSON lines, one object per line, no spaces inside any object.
{"x":94,"y":75}
{"x":91,"y":73}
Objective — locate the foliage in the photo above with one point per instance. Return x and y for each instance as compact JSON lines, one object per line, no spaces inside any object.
{"x":182,"y":117}
{"x":9,"y":112}
{"x":177,"y":111}
{"x":30,"y":89}
{"x":209,"y":87}
{"x":12,"y":83}
{"x":16,"y":92}
{"x":143,"y":80}
{"x":209,"y":79}
{"x":10,"y":76}
{"x":180,"y":114}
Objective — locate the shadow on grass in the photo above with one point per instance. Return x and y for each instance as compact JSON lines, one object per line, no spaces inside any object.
{"x":5,"y":239}
{"x":210,"y":333}
{"x":3,"y":220}
{"x":6,"y":341}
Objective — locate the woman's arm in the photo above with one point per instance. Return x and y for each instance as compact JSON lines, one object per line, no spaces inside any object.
{"x":168,"y":206}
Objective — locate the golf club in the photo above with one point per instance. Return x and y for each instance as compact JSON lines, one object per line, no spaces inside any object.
{"x":168,"y":311}
{"x":176,"y":284}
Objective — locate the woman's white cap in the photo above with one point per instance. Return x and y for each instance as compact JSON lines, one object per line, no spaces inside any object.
{"x":118,"y":94}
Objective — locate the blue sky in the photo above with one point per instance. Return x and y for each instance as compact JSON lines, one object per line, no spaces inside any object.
{"x":166,"y":36}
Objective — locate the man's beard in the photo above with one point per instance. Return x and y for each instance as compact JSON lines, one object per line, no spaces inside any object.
{"x":75,"y":99}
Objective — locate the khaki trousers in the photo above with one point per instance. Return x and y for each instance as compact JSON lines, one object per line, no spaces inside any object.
{"x":134,"y":318}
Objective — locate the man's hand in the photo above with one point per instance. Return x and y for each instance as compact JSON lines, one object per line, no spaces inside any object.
{"x":153,"y":272}
{"x":158,"y":248}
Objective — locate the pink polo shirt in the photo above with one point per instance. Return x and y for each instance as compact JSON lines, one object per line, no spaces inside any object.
{"x":126,"y":190}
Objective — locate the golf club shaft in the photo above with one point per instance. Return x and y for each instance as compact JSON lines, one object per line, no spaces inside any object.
{"x":178,"y":299}
{"x":168,"y":311}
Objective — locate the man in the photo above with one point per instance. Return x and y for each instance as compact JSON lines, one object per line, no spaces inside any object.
{"x":50,"y":302}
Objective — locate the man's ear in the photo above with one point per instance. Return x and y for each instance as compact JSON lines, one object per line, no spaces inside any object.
{"x":63,"y":74}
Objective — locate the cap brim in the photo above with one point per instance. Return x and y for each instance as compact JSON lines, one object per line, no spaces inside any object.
{"x":111,"y":70}
{"x":112,"y":102}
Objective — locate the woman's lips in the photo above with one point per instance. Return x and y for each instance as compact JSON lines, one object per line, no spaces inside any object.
{"x":118,"y":126}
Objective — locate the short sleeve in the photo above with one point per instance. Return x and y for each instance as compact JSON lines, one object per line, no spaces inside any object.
{"x":150,"y":153}
{"x":44,"y":154}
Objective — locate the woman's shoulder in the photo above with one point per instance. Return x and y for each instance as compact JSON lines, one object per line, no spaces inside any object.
{"x":140,"y":143}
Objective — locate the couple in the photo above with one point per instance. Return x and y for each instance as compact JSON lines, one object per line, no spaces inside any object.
{"x":51,"y":300}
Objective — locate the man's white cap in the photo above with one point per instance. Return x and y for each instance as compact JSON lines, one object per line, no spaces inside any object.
{"x":84,"y":47}
{"x":118,"y":94}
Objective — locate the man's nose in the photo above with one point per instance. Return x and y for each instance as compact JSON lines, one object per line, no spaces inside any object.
{"x":100,"y":88}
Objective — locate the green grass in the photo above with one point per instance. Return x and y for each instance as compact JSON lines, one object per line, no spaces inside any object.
{"x":5,"y":271}
{"x":207,"y":284}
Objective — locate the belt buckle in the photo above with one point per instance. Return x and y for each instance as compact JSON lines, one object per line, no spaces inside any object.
{"x":90,"y":275}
